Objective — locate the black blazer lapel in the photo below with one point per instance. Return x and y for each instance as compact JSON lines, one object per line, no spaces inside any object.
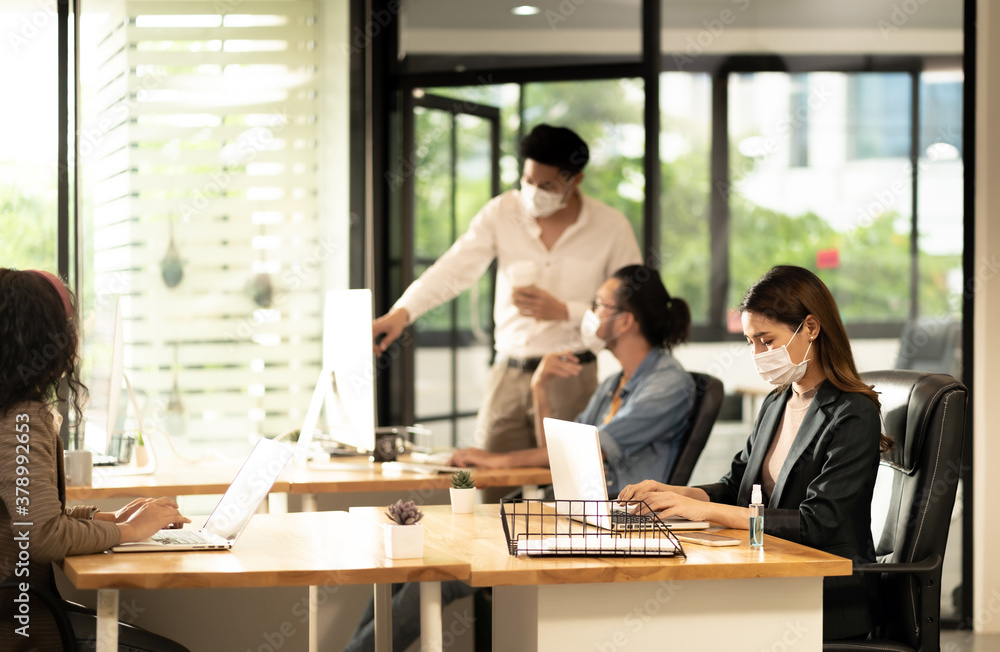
{"x":812,"y":424}
{"x":765,"y":434}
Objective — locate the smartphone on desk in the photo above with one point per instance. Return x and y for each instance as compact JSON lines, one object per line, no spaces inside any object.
{"x":706,"y":538}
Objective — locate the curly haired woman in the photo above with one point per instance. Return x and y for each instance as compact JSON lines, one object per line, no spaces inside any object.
{"x":38,"y":356}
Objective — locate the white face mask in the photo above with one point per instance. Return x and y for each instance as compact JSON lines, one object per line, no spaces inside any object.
{"x":776,"y":366}
{"x":541,"y":203}
{"x":588,"y":331}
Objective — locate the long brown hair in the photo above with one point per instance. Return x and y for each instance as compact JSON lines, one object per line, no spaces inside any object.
{"x":787,"y":294}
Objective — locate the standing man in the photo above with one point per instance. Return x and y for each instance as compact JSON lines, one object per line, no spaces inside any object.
{"x":554,"y":247}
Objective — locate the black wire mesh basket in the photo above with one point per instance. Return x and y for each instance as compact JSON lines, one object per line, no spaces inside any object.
{"x":595,"y":528}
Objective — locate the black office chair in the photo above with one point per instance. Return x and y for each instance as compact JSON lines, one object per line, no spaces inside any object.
{"x":914,"y":497}
{"x":707,"y":403}
{"x":53,"y":603}
{"x":931,"y":344}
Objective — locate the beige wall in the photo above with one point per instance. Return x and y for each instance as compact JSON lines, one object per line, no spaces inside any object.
{"x":986,"y":410}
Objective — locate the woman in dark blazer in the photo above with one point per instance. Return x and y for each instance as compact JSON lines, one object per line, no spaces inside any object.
{"x":814,"y":448}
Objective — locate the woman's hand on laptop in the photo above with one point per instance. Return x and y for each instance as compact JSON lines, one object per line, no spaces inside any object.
{"x":644,"y":487}
{"x":632,"y":491}
{"x":145,"y":516}
{"x":126,"y":512}
{"x":670,"y":503}
{"x":668,"y":500}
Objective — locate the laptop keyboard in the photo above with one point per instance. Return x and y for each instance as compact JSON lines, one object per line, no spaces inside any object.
{"x":621,"y":517}
{"x":104,"y":460}
{"x":177,"y":536}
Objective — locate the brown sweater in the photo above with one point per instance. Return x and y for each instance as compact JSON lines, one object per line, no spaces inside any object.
{"x":36,"y":529}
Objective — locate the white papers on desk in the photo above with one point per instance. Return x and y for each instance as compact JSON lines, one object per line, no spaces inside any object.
{"x":397,"y":468}
{"x":597,"y":545}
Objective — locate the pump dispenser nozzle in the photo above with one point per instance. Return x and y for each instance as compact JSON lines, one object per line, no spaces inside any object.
{"x":756,"y":517}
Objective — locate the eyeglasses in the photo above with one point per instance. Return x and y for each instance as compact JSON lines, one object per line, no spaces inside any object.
{"x":597,"y":304}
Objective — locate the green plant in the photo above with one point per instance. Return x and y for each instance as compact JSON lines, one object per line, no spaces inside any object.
{"x":138,"y":438}
{"x":463,"y":480}
{"x":404,"y":513}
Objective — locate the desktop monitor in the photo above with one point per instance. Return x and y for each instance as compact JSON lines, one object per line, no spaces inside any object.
{"x":102,"y":373}
{"x":345,"y":390}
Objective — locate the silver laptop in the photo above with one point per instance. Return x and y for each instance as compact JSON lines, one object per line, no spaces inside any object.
{"x":578,"y":474}
{"x":229,"y":518}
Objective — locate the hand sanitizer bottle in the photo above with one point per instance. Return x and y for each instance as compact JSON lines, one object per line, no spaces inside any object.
{"x":756,"y":518}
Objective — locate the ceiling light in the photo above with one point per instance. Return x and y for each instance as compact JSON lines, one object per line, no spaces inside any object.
{"x":525,"y":10}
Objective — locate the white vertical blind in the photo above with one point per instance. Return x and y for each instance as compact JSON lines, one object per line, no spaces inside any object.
{"x":202,"y":176}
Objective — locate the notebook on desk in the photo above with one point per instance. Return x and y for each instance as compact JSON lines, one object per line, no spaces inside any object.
{"x":234,"y":510}
{"x":426,"y":463}
{"x":578,"y":474}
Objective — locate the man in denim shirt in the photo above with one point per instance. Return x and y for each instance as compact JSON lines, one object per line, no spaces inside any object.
{"x":642,"y":440}
{"x":641,"y":412}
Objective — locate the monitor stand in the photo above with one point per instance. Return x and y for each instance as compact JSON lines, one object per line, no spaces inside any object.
{"x":408,"y":433}
{"x":323,"y":395}
{"x":143,"y":458}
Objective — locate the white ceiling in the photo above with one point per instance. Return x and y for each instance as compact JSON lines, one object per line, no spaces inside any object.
{"x":487,"y":27}
{"x":624,"y":14}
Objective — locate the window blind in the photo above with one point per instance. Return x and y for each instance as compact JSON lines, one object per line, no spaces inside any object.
{"x":200,"y":166}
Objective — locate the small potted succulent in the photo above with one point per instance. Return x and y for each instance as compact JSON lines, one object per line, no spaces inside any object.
{"x":463,"y":492}
{"x":404,"y":536}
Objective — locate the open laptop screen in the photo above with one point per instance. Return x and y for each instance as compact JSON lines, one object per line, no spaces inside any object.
{"x":248,"y":489}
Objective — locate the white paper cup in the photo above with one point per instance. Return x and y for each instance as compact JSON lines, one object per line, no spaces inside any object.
{"x":79,"y":468}
{"x":522,"y":273}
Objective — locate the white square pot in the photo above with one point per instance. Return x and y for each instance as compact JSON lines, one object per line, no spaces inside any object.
{"x":463,"y":501}
{"x":403,"y":541}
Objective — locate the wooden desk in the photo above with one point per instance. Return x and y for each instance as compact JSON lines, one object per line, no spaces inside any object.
{"x":319,"y":549}
{"x":362,"y":476}
{"x":353,"y":475}
{"x":177,"y":479}
{"x":714,"y":599}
